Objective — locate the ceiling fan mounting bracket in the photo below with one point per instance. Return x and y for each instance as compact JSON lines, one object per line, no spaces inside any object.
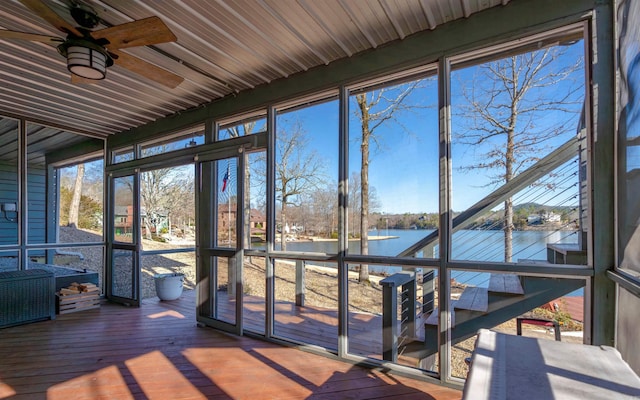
{"x":85,"y":16}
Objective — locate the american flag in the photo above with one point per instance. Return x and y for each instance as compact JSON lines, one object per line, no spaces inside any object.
{"x":225,"y":179}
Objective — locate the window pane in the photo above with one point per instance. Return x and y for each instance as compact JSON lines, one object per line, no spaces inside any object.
{"x":81,"y":211}
{"x":123,"y":270}
{"x":172,"y":142}
{"x":47,"y":149}
{"x":404,"y":334}
{"x":227,"y":190}
{"x":628,"y":156}
{"x":307,"y":177}
{"x":225,"y":289}
{"x":9,"y":261}
{"x":254,"y":294}
{"x":518,"y":140}
{"x":496,"y":301}
{"x":123,"y":209}
{"x":306,"y":302}
{"x":167,"y":199}
{"x":393,"y":169}
{"x":69,"y":265}
{"x":244,"y":128}
{"x":122,"y":155}
{"x":168,"y":263}
{"x":255,"y":201}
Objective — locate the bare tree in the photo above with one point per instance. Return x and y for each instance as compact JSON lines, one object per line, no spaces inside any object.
{"x":93,"y":182}
{"x":325,"y":211}
{"x":298,"y":171}
{"x":159,"y":191}
{"x":244,"y":129}
{"x":374,"y":109}
{"x":507,"y":113}
{"x":182,"y":208}
{"x":153,"y":185}
{"x":74,"y":207}
{"x":355,"y":206}
{"x":355,"y":201}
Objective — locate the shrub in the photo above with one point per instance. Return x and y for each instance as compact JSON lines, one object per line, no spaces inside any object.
{"x":563,"y":318}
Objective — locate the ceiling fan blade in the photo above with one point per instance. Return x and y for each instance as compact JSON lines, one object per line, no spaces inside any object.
{"x":34,"y":37}
{"x":146,"y":69}
{"x":38,"y":7}
{"x":142,"y":32}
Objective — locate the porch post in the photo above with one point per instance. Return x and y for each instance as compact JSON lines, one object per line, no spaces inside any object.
{"x":602,"y":172}
{"x":300,"y":284}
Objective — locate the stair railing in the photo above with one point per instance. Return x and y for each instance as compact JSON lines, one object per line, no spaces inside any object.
{"x":428,"y":291}
{"x":398,"y":293}
{"x":544,"y":166}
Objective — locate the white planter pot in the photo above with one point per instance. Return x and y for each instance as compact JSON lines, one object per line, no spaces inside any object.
{"x":169,"y":286}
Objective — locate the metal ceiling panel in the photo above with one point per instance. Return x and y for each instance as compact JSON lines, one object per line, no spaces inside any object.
{"x":224,"y":47}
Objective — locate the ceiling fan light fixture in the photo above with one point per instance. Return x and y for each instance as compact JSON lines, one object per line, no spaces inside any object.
{"x":86,"y":59}
{"x":86,"y":62}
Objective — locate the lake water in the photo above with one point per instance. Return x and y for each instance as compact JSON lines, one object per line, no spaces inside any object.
{"x":467,"y":245}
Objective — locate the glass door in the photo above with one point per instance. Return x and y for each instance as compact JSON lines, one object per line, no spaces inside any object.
{"x":220,"y":248}
{"x":123,"y":283}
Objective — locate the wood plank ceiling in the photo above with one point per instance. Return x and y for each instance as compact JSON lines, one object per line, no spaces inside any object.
{"x":224,"y":47}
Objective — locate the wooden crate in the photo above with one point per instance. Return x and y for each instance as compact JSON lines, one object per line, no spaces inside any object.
{"x":77,"y":302}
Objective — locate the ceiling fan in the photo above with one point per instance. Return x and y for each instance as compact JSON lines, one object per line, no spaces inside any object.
{"x":89,"y":53}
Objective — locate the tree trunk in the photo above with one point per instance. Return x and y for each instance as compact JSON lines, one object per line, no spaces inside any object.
{"x":363,"y":276}
{"x":248,"y":128}
{"x":74,"y":207}
{"x":283,"y":222}
{"x":147,"y":229}
{"x":509,"y":161}
{"x":247,"y":204}
{"x":508,"y":230}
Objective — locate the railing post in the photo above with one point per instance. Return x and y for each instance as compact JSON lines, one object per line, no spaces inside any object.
{"x":428,"y":291}
{"x":409,"y":308}
{"x":300,"y":285}
{"x":389,"y":318}
{"x":407,"y":281}
{"x":231,"y":276}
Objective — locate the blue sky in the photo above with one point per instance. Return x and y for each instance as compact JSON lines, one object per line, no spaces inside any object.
{"x":404,"y":168}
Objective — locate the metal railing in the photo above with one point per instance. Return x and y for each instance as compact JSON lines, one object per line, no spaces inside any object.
{"x":398,"y":295}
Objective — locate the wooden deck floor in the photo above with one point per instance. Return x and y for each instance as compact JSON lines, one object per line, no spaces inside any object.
{"x":309,"y":324}
{"x":157,"y":352}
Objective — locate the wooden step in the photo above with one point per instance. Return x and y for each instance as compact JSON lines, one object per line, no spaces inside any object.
{"x":505,"y":283}
{"x":473,"y":299}
{"x":433,"y":317}
{"x":413,"y":351}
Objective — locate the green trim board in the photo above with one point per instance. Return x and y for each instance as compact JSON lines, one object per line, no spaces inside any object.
{"x":79,"y":150}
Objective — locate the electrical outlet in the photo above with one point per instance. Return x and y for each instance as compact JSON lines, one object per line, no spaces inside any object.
{"x":9,"y":207}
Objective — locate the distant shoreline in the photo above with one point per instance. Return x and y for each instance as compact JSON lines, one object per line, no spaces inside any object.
{"x":319,"y":239}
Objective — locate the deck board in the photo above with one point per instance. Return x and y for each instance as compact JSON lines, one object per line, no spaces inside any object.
{"x":434,"y":317}
{"x":157,"y":352}
{"x":505,"y":283}
{"x":474,"y":299}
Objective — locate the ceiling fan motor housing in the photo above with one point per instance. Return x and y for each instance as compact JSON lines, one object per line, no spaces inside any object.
{"x":84,"y":16}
